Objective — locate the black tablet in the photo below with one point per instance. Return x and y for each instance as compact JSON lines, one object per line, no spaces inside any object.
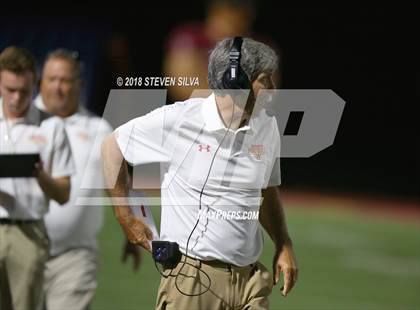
{"x":18,"y":165}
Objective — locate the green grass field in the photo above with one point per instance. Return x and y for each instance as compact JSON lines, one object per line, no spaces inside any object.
{"x":346,"y":261}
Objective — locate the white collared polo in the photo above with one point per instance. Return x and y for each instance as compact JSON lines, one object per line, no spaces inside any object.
{"x":207,"y":169}
{"x":71,"y":225}
{"x":22,"y":198}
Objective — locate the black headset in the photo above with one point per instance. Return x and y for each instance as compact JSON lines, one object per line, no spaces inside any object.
{"x":234,"y":77}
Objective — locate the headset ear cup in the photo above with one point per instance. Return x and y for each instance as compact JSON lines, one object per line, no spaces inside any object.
{"x":226,"y":81}
{"x":241,"y":81}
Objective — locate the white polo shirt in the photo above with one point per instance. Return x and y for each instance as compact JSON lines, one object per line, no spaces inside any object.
{"x":71,"y":225}
{"x":22,"y":198}
{"x":184,"y":137}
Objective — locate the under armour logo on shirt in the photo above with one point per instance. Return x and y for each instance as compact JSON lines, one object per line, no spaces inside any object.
{"x":204,"y":147}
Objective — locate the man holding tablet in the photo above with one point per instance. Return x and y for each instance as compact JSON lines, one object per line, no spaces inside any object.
{"x":24,"y":129}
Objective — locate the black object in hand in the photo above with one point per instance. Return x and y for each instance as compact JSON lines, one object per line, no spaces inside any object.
{"x":166,"y":253}
{"x":18,"y":165}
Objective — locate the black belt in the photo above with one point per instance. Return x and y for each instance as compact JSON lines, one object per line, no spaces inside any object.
{"x":7,"y":221}
{"x":216,"y":263}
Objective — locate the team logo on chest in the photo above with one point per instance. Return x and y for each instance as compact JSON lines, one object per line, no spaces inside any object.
{"x":38,"y":139}
{"x":83,"y":136}
{"x":204,"y":148}
{"x":256,"y":151}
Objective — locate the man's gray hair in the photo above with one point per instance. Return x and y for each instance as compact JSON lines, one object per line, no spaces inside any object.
{"x":256,"y":58}
{"x":68,"y":55}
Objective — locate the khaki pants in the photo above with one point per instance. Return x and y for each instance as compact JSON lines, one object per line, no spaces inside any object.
{"x":23,"y":252}
{"x":218,"y":286}
{"x":70,"y":280}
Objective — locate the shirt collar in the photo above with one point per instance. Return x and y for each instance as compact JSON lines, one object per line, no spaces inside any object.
{"x":212,"y":119}
{"x":39,"y":103}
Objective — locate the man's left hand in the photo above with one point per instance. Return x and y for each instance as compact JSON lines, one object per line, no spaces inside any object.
{"x":285,"y":261}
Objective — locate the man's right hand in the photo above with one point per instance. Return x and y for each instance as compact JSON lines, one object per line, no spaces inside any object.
{"x":116,"y":177}
{"x":138,"y":233}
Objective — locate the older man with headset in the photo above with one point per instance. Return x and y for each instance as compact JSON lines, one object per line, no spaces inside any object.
{"x":220,"y":156}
